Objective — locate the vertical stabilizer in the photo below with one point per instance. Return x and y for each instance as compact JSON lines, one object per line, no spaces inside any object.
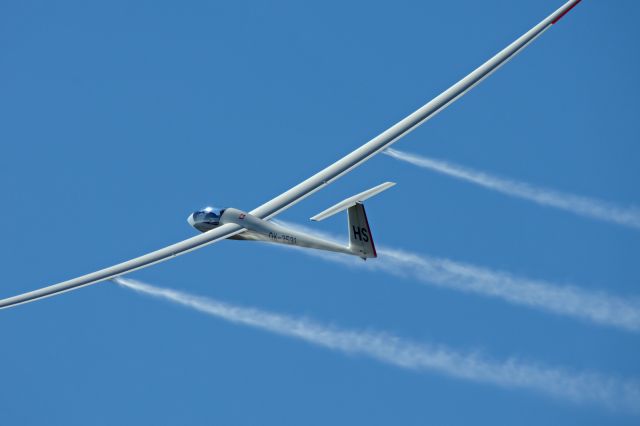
{"x":360,"y":238}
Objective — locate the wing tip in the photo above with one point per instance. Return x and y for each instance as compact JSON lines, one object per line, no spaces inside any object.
{"x":567,"y":10}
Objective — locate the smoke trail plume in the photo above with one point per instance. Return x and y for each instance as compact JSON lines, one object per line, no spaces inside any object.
{"x":584,"y":206}
{"x":595,"y":306}
{"x":512,"y":373}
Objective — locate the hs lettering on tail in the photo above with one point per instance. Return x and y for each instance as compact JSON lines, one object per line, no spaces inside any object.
{"x":361,"y":233}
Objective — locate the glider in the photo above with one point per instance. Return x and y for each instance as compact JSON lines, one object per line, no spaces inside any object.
{"x":230,"y":223}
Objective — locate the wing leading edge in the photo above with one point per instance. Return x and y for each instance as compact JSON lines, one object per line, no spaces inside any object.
{"x":315,"y":182}
{"x":217,"y":234}
{"x":409,"y":123}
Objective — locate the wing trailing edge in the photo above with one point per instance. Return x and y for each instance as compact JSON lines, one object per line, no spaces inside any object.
{"x":407,"y":124}
{"x":169,"y":252}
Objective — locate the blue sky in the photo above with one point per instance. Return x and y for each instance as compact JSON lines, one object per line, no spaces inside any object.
{"x":121,"y":118}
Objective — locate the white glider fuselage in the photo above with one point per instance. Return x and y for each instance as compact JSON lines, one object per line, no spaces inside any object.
{"x":263,"y":230}
{"x":257,"y":229}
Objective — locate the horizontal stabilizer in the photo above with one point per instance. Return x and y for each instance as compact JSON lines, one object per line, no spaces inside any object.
{"x":351,"y":201}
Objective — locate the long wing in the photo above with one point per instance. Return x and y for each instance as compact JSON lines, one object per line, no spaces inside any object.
{"x":315,"y":182}
{"x":210,"y":237}
{"x":395,"y":132}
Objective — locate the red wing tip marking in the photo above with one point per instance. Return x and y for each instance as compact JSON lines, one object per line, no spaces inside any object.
{"x":565,"y":12}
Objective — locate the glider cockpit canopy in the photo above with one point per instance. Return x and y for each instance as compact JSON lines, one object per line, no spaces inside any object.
{"x":205,"y":219}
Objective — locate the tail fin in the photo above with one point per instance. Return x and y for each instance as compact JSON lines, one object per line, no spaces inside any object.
{"x":360,"y":238}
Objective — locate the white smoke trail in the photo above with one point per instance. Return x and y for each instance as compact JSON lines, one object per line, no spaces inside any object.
{"x":577,"y":204}
{"x":595,"y":306}
{"x":512,"y":373}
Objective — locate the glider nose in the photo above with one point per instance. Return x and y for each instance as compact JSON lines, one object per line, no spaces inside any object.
{"x":190,"y":220}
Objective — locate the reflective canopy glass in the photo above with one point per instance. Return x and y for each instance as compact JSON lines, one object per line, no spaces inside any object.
{"x":209,"y":214}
